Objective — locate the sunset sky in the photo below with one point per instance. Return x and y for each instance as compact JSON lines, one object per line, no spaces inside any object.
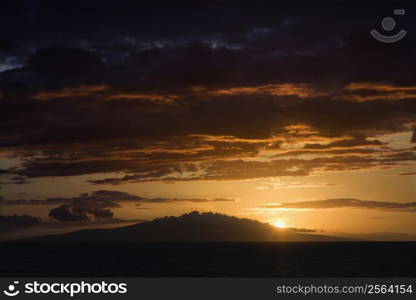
{"x":288,"y":113}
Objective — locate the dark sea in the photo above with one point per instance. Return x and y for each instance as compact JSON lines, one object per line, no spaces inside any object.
{"x":283,"y":259}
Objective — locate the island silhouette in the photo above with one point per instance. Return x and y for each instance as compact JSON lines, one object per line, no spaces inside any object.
{"x":205,"y":245}
{"x":192,"y":227}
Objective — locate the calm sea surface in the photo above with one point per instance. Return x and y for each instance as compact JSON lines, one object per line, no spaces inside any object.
{"x":311,"y":259}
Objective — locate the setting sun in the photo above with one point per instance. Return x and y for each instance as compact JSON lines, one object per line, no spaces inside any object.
{"x":280,"y":224}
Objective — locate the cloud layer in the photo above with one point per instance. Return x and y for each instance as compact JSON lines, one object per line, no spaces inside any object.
{"x":198,"y":92}
{"x":97,"y":204}
{"x":346,"y":203}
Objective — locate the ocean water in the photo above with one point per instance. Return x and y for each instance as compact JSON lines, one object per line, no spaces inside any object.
{"x":296,"y":259}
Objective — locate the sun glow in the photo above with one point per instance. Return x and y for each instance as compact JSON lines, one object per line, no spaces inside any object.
{"x":280,"y":224}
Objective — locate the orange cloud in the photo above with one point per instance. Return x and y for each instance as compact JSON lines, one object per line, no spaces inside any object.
{"x":284,"y":89}
{"x":70,"y":92}
{"x":96,"y":90}
{"x":378,"y":87}
{"x":143,"y":96}
{"x":368,"y":91}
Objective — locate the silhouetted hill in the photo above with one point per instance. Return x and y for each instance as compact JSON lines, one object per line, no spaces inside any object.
{"x":192,"y":227}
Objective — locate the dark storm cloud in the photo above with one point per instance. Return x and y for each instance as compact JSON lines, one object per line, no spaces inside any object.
{"x":92,"y":87}
{"x":61,"y":65}
{"x":159,"y":42}
{"x":347,"y":203}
